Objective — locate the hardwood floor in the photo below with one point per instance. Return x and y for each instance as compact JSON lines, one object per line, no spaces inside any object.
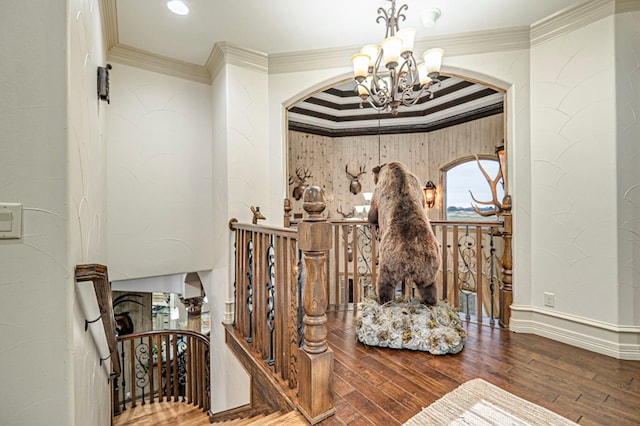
{"x":377,"y":386}
{"x":163,"y":413}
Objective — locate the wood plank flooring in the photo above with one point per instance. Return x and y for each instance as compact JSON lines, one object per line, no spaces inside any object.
{"x":161,"y":414}
{"x":377,"y":386}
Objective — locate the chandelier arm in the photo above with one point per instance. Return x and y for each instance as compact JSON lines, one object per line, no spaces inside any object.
{"x":423,"y":91}
{"x":401,"y":15}
{"x":375,"y":106}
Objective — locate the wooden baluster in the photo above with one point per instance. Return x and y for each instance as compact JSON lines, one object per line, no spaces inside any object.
{"x":315,"y":383}
{"x":345,"y":269}
{"x":337,"y":301}
{"x":287,"y":213}
{"x":132,"y":372}
{"x":174,"y":366}
{"x":506,"y":295}
{"x":455,"y":292}
{"x":150,"y":369}
{"x":445,"y":270}
{"x":356,"y":276}
{"x":374,"y":256}
{"x":294,"y":303}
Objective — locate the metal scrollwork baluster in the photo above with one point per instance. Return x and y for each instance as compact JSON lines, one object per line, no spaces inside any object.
{"x":466,"y":264}
{"x":142,"y":366}
{"x":181,"y":344}
{"x":271,"y":313}
{"x":365,"y":246}
{"x":250,"y":288}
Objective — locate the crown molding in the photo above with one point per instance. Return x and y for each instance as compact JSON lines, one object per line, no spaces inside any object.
{"x":224,"y":53}
{"x":309,"y":60}
{"x":109,"y":13}
{"x":215,"y":61}
{"x":513,"y":38}
{"x":128,"y":55}
{"x":571,"y":19}
{"x":487,"y":41}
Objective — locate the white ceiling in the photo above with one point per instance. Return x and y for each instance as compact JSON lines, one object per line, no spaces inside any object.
{"x":278,"y":26}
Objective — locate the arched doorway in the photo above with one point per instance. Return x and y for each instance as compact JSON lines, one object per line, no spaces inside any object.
{"x":334,"y":139}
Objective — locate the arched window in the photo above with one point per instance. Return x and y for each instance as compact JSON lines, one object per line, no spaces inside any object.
{"x":466,"y":178}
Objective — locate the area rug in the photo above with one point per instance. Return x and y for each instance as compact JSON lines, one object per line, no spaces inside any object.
{"x":410,"y":325}
{"x":480,"y":403}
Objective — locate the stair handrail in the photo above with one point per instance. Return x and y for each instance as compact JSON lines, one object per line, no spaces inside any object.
{"x":97,"y":273}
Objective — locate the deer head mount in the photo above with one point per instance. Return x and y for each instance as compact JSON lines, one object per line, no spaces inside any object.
{"x":354,"y":186}
{"x":301,"y":178}
{"x":493,"y":183}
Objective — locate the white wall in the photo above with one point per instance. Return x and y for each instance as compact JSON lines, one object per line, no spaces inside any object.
{"x":160,"y":175}
{"x":87,"y":183}
{"x":35,"y":282}
{"x":52,"y":160}
{"x":627,"y":49}
{"x":242,"y":180}
{"x":574,"y":172}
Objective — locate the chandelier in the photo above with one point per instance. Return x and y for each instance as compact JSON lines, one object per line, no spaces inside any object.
{"x":402,"y":81}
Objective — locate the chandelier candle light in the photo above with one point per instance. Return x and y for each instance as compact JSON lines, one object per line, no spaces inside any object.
{"x":402,"y":81}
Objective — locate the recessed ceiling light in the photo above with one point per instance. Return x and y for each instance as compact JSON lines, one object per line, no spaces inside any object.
{"x":178,"y":7}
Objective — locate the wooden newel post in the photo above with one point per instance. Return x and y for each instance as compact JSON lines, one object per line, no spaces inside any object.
{"x":506,"y":295}
{"x":315,"y":358}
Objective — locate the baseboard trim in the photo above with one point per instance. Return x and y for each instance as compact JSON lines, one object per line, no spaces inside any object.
{"x":621,"y":342}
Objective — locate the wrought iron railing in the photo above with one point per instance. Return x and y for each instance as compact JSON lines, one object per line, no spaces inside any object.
{"x":469,"y":277}
{"x":167,"y":365}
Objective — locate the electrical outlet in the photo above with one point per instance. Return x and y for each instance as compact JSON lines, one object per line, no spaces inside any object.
{"x":549,"y":299}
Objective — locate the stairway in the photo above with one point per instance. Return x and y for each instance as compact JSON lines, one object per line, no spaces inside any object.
{"x":292,"y":418}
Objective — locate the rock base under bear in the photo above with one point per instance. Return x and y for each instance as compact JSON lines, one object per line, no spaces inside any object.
{"x":410,"y":325}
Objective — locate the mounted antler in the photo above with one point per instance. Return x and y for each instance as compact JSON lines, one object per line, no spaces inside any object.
{"x":347,"y":215}
{"x":302,"y":176}
{"x":493,"y":183}
{"x":354,"y":186}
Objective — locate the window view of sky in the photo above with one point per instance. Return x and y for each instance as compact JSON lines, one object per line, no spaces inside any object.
{"x":468,"y":177}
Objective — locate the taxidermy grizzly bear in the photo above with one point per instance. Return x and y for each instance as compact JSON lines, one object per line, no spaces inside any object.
{"x":408,"y":247}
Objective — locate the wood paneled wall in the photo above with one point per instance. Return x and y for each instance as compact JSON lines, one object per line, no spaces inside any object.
{"x":425,"y":154}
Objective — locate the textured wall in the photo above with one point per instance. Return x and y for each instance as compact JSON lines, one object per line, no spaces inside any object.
{"x":159,"y":168}
{"x":35,"y":279}
{"x":628,"y":162}
{"x":573,"y":149}
{"x":86,"y":161}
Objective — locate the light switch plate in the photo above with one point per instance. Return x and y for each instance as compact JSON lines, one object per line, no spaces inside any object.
{"x":10,"y":221}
